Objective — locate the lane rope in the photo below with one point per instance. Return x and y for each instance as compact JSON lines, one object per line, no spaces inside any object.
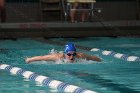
{"x":116,"y":55}
{"x":59,"y":85}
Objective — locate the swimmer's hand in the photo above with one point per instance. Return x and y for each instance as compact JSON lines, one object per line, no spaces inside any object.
{"x":28,"y":60}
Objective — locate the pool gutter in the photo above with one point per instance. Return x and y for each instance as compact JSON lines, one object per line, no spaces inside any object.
{"x":66,"y":29}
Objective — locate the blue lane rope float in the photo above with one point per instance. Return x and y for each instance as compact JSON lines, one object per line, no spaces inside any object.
{"x":61,"y":86}
{"x":116,"y":55}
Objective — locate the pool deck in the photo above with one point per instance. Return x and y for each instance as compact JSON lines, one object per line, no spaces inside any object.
{"x":66,"y":29}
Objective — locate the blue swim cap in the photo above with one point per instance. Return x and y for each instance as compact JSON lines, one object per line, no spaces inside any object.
{"x":69,"y":47}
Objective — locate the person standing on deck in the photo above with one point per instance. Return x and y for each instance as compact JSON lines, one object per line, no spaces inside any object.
{"x":75,"y":6}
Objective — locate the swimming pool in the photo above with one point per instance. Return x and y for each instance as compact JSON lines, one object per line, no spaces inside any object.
{"x":111,"y":76}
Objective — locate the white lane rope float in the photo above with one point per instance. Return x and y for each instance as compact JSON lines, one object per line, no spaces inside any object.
{"x":44,"y":80}
{"x":116,"y":55}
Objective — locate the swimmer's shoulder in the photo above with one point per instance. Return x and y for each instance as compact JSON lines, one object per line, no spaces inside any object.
{"x":60,"y":55}
{"x":80,"y":54}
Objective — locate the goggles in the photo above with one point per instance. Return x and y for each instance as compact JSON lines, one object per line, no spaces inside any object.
{"x":70,"y":54}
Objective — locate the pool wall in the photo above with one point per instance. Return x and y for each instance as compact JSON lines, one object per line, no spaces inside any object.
{"x":64,"y":29}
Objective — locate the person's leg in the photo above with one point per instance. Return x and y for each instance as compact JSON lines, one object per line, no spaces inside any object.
{"x":84,"y":14}
{"x":73,"y":12}
{"x":2,"y":11}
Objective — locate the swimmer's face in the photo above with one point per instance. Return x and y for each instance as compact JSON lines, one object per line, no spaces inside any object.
{"x":70,"y":56}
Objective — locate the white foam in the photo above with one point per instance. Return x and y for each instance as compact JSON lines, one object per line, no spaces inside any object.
{"x":53,"y":51}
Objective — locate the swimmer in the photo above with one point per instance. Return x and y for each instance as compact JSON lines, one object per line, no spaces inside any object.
{"x":70,"y":54}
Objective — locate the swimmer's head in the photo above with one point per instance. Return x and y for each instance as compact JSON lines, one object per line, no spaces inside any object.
{"x":70,"y":47}
{"x":70,"y":52}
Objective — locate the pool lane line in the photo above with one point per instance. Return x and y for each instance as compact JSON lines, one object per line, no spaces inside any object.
{"x":117,"y":55}
{"x":59,"y":85}
{"x":103,"y":52}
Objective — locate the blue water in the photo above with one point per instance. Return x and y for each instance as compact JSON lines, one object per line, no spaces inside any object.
{"x":110,"y":76}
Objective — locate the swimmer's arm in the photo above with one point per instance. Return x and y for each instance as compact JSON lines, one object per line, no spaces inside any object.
{"x":89,"y":57}
{"x":94,"y":58}
{"x":39,"y":58}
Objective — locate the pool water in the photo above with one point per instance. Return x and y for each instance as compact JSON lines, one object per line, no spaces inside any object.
{"x":110,"y":76}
